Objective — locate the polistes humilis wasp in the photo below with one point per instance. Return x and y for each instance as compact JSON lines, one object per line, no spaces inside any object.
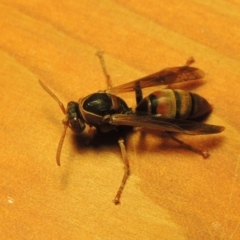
{"x":168,"y":110}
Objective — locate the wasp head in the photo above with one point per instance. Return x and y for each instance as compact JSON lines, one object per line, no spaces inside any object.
{"x":74,"y":119}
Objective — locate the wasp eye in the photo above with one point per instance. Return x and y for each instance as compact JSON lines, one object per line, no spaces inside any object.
{"x":75,"y":119}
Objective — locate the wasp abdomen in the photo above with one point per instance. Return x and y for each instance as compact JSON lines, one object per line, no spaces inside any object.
{"x":176,"y":103}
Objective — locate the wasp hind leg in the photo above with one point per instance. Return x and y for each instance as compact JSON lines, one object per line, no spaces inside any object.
{"x":138,"y":93}
{"x":189,"y":61}
{"x":204,"y":153}
{"x":126,"y":171}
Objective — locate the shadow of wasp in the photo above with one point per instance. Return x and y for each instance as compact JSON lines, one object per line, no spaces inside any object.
{"x":168,"y":110}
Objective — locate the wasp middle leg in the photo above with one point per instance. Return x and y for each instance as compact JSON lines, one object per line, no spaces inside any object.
{"x":126,"y":171}
{"x":103,"y":65}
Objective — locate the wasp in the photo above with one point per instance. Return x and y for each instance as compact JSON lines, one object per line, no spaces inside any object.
{"x":168,"y":110}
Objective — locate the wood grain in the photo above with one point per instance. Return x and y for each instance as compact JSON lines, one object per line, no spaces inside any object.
{"x":172,"y":193}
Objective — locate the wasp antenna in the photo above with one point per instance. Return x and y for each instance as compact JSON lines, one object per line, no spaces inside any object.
{"x":53,"y":96}
{"x":60,"y":144}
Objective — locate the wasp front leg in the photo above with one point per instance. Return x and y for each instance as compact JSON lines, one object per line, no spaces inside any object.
{"x":91,"y":134}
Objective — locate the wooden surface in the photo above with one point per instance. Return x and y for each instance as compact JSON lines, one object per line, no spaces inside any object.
{"x":172,"y":193}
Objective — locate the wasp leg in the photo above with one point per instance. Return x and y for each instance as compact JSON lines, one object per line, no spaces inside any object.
{"x":103,"y":65}
{"x":91,"y":133}
{"x":190,"y":61}
{"x":205,"y":154}
{"x":126,"y":171}
{"x":138,"y":93}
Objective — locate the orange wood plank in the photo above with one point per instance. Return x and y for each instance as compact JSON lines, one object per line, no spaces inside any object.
{"x":172,"y":193}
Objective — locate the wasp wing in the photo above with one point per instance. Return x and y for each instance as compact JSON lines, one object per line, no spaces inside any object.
{"x":163,"y":77}
{"x":162,"y":124}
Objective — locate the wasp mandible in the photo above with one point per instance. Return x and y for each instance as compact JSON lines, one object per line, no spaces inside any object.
{"x":168,"y":110}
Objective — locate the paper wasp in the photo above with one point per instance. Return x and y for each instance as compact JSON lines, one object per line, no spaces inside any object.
{"x":165,"y":110}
